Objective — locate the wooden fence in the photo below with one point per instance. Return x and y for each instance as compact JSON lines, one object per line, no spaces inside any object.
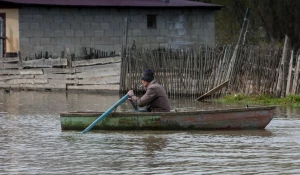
{"x":193,"y":72}
{"x":250,"y":69}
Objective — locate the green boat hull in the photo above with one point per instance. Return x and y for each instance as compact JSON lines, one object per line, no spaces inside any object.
{"x":246,"y":118}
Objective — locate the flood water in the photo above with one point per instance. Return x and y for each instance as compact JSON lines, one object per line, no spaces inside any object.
{"x":31,"y":141}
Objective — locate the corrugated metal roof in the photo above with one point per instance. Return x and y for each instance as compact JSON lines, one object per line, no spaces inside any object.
{"x":116,"y":3}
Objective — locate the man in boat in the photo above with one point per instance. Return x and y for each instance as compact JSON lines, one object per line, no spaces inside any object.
{"x":155,"y":98}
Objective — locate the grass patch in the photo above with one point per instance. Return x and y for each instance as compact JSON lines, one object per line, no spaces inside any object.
{"x":291,"y":100}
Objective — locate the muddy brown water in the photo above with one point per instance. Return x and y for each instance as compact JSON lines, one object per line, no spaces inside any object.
{"x":31,"y":141}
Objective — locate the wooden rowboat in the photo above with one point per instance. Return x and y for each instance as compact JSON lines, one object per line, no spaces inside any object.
{"x":243,"y":118}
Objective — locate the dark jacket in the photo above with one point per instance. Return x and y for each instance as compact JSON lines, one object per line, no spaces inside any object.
{"x":155,"y":98}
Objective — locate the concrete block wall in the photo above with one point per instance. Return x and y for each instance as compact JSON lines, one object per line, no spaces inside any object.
{"x":54,"y":29}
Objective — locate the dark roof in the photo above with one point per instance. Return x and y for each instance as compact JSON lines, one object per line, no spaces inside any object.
{"x":115,"y":3}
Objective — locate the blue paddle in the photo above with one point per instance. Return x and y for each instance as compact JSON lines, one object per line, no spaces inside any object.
{"x":106,"y":113}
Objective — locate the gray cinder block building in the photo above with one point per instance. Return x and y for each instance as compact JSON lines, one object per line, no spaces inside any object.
{"x":38,"y":26}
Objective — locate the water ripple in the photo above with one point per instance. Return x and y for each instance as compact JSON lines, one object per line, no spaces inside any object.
{"x":31,"y":142}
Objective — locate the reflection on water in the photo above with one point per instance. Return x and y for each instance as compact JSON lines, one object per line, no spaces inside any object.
{"x":288,"y":112}
{"x":35,"y":102}
{"x":233,"y":133}
{"x":31,"y":141}
{"x":154,"y":144}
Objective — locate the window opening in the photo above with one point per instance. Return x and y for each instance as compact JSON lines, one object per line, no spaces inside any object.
{"x":151,"y":21}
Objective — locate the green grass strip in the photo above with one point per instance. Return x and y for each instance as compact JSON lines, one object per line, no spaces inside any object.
{"x":291,"y":100}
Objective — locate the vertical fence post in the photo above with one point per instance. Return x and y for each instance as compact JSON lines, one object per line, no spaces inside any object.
{"x":281,"y":85}
{"x":296,"y":76}
{"x":289,"y":78}
{"x":69,"y":58}
{"x":123,"y":72}
{"x":1,"y":36}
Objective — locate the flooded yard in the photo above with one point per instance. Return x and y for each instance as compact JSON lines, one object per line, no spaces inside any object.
{"x":31,"y":141}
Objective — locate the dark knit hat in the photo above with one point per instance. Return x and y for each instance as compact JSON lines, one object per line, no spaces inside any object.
{"x":148,"y":75}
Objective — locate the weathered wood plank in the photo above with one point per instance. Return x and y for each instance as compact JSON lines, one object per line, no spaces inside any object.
{"x":224,"y":84}
{"x":58,"y":71}
{"x":3,"y":83}
{"x":13,"y":86}
{"x":45,"y":62}
{"x":115,"y":66}
{"x":56,"y":76}
{"x":100,"y":80}
{"x":96,"y":61}
{"x":100,"y":73}
{"x":95,"y":87}
{"x":10,"y":77}
{"x":27,"y":81}
{"x":55,"y":81}
{"x":22,"y":72}
{"x":31,"y":72}
{"x":43,"y":86}
{"x":9,"y":72}
{"x":9,"y":60}
{"x":9,"y":66}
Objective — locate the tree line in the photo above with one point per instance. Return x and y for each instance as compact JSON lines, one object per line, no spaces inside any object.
{"x":269,"y":21}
